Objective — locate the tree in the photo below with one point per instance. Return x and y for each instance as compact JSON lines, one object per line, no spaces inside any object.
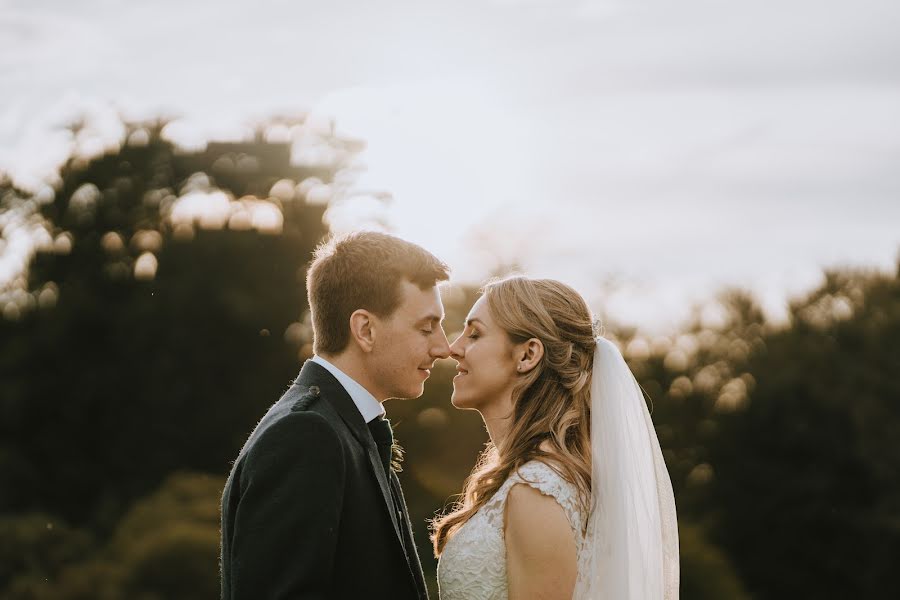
{"x":159,"y":323}
{"x":806,"y":486}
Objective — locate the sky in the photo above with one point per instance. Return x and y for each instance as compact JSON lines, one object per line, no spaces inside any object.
{"x":648,"y":152}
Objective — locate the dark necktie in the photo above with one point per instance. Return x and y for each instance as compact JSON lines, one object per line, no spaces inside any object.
{"x":384,"y":439}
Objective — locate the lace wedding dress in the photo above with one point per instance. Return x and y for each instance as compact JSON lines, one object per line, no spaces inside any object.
{"x":473,"y":563}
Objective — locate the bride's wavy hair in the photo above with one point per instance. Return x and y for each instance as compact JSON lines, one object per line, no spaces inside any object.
{"x":551,"y":402}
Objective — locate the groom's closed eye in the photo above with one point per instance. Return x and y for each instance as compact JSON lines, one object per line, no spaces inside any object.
{"x":427,"y":326}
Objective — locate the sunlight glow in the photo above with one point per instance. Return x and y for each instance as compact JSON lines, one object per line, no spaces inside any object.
{"x":209,"y":210}
{"x":215,"y":209}
{"x":145,"y":267}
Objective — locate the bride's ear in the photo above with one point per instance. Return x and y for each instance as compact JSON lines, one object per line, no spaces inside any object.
{"x":529,"y":354}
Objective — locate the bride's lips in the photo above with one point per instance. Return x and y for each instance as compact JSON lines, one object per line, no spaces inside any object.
{"x":460,"y":373}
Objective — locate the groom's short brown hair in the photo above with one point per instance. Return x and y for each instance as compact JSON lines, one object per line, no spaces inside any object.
{"x":362,"y":270}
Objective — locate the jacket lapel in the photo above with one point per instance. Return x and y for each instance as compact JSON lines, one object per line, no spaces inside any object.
{"x":313,"y":374}
{"x":412,"y":555}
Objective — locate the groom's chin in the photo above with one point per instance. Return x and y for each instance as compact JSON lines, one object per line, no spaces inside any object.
{"x":414,"y":392}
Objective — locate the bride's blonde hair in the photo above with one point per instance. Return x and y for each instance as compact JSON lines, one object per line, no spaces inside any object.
{"x":551,"y":403}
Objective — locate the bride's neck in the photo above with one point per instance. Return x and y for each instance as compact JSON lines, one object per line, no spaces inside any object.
{"x":498,"y":418}
{"x":497,"y":427}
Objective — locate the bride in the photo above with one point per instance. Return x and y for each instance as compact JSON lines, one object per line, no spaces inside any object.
{"x":571,"y":498}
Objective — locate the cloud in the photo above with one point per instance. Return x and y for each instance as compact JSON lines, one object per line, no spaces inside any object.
{"x":681,"y":145}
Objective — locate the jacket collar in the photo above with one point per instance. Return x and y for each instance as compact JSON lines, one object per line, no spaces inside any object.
{"x":331,"y":391}
{"x":315,"y":375}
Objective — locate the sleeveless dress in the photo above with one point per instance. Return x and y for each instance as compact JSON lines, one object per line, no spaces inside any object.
{"x":473,"y":563}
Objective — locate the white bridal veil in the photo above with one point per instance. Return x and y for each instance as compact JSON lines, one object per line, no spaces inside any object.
{"x":632,"y":533}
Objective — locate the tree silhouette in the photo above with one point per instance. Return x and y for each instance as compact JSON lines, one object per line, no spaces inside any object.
{"x":154,"y":337}
{"x":806,"y":491}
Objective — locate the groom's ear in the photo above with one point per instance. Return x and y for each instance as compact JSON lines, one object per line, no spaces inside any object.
{"x":362,"y":330}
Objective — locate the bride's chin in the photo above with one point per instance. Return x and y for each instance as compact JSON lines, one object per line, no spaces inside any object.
{"x":457,"y":401}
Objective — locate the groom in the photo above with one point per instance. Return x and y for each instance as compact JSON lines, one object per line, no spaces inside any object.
{"x":312,"y":508}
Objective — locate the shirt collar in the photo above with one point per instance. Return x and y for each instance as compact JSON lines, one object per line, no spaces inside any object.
{"x":368,"y":406}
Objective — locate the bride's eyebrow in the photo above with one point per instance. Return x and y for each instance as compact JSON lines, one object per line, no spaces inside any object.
{"x":474,"y":320}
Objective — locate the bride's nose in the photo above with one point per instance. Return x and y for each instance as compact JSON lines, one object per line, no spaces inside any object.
{"x":456,"y":349}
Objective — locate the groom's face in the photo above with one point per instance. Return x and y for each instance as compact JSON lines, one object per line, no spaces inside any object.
{"x":408,"y":342}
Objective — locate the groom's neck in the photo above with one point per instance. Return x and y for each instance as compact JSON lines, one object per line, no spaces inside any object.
{"x":354,"y":368}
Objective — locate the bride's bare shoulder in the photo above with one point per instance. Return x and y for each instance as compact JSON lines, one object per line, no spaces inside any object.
{"x":540,"y":545}
{"x":526,"y":504}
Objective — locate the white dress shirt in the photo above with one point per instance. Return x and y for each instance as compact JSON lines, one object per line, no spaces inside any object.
{"x":368,"y":406}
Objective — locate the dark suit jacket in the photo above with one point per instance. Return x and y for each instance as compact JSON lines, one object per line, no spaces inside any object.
{"x":308,"y":511}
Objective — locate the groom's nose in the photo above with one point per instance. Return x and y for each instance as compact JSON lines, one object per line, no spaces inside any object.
{"x":441,"y":349}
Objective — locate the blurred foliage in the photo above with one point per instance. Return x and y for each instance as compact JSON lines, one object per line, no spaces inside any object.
{"x":165,"y":547}
{"x":111,"y":380}
{"x":148,"y":340}
{"x":806,"y":493}
{"x":124,"y":379}
{"x":706,"y":573}
{"x":39,"y":545}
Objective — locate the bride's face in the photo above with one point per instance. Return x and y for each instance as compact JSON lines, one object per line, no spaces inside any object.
{"x":487,"y":366}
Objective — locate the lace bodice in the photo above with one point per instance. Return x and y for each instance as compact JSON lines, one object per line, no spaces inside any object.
{"x":473,"y":563}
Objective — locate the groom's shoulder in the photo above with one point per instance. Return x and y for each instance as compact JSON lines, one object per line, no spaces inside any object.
{"x":298,"y":421}
{"x":297,"y":408}
{"x":303,"y":401}
{"x":304,"y":405}
{"x":310,"y":403}
{"x":310,"y":406}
